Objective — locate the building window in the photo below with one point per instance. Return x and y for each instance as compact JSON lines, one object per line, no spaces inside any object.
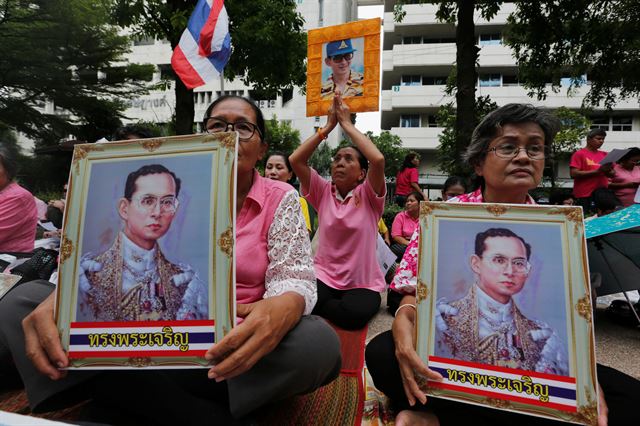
{"x":438,"y":40}
{"x":410,"y":120}
{"x":412,"y":40}
{"x":411,"y":80}
{"x":510,"y":80}
{"x":621,"y":124}
{"x":434,"y":81}
{"x":490,"y":39}
{"x":615,"y":124}
{"x":431,"y":121}
{"x":490,"y":80}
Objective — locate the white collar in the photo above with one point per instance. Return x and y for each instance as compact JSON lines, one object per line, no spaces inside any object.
{"x":493,"y":309}
{"x":137,"y":258}
{"x":339,"y":197}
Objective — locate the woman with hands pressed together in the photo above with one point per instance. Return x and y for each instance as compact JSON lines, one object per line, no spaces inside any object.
{"x":277,"y":350}
{"x":349,"y":207}
{"x":507,"y":151}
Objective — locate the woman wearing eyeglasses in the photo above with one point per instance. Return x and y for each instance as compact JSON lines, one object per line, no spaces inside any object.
{"x":507,"y":151}
{"x":349,"y":207}
{"x":276,"y":350}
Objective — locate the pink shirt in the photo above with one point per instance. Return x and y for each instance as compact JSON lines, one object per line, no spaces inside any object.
{"x":625,"y":195}
{"x":18,"y":219}
{"x":346,"y":256}
{"x":273,"y":252}
{"x":404,"y":179}
{"x":404,"y":225}
{"x":584,"y":159}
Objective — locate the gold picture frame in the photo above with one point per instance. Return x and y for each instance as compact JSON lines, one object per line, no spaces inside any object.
{"x":365,"y":92}
{"x":147,"y":262}
{"x":505,"y":310}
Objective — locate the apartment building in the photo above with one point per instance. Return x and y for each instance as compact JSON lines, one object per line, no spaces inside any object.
{"x":418,"y":55}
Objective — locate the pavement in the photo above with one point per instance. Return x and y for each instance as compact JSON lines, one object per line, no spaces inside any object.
{"x":617,"y":345}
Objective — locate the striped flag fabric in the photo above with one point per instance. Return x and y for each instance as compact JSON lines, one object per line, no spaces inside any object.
{"x":205,"y":45}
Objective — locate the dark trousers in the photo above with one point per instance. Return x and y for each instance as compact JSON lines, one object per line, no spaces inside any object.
{"x":348,"y":309}
{"x":306,"y":358}
{"x":622,"y":393}
{"x":587,"y":205}
{"x":393,"y":301}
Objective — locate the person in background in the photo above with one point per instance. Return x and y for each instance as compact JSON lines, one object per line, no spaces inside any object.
{"x":278,"y":167}
{"x":18,"y":212}
{"x":605,"y":202}
{"x":132,"y":131}
{"x":627,"y":177}
{"x":561,"y":198}
{"x":453,"y":186}
{"x":349,"y":207}
{"x":384,"y":231}
{"x":587,"y":172}
{"x":407,"y":178}
{"x":405,"y":223}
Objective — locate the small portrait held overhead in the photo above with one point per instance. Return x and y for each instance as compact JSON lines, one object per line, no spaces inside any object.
{"x":344,"y":58}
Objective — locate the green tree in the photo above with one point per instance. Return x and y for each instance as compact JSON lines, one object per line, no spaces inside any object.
{"x":281,"y":136}
{"x":574,"y":128}
{"x":321,"y":159}
{"x":572,"y":38}
{"x":66,"y":52}
{"x":267,"y":37}
{"x":390,"y":146}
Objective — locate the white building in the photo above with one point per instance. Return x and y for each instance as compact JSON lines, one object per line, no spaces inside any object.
{"x":158,"y":106}
{"x":418,"y":55}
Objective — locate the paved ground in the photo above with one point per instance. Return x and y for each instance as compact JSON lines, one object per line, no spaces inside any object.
{"x":616,"y":345}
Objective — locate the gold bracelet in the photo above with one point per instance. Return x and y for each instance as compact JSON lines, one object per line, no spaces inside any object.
{"x":405,"y":305}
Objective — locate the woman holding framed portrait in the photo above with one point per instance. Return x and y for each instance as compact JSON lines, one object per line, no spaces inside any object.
{"x":507,"y":151}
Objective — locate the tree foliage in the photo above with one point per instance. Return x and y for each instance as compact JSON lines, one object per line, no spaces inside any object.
{"x":574,"y":127}
{"x":321,"y":159}
{"x":390,"y":146}
{"x":267,"y":37}
{"x":54,"y":50}
{"x":281,"y":136}
{"x":574,"y":38}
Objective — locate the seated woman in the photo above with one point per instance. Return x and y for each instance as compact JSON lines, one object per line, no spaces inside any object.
{"x":405,"y":223}
{"x":18,"y":212}
{"x":349,"y":207}
{"x":507,"y":151}
{"x":627,"y":177}
{"x":277,"y":351}
{"x":278,"y":167}
{"x":453,"y":186}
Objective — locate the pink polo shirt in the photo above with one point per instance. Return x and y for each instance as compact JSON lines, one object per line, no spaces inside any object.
{"x":18,"y":219}
{"x":404,"y":225}
{"x":346,"y":256}
{"x":252,"y":230}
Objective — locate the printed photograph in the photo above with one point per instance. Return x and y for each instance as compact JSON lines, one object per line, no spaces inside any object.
{"x":343,"y":68}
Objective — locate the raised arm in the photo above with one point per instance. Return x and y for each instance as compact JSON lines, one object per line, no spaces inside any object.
{"x":300,"y":157}
{"x":375,"y":176}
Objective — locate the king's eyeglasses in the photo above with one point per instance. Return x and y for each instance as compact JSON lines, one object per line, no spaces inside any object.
{"x":148,"y":203}
{"x":510,"y":150}
{"x":244,"y":128}
{"x":339,"y":58}
{"x":519,"y":265}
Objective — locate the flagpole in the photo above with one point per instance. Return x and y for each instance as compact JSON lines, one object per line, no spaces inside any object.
{"x":222,"y":83}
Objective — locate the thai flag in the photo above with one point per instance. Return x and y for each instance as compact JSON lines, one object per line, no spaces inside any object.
{"x":205,"y":45}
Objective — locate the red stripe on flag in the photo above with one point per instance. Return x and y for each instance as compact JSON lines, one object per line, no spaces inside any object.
{"x":145,"y":324}
{"x":206,"y":34}
{"x":129,"y":354}
{"x":564,"y":379}
{"x":185,"y":71}
{"x":497,"y":395}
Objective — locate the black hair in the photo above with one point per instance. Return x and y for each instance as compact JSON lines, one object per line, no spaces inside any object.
{"x":632,"y":152}
{"x":605,"y":200}
{"x":140,"y":132}
{"x":407,"y":163}
{"x":150,"y":169}
{"x":362,"y":160}
{"x":596,"y":132}
{"x":259,"y":117}
{"x":286,"y":162}
{"x":557,"y":197}
{"x":8,"y":163}
{"x":453,"y":181}
{"x":419,"y":196}
{"x":497,"y":232}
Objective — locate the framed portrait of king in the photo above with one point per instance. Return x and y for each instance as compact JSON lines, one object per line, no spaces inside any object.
{"x":344,"y":58}
{"x":147,"y":269}
{"x":504,"y":308}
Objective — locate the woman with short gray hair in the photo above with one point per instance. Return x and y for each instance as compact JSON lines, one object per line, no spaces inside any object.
{"x":18,"y":213}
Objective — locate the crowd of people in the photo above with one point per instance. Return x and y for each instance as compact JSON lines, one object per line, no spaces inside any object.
{"x":285,"y":291}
